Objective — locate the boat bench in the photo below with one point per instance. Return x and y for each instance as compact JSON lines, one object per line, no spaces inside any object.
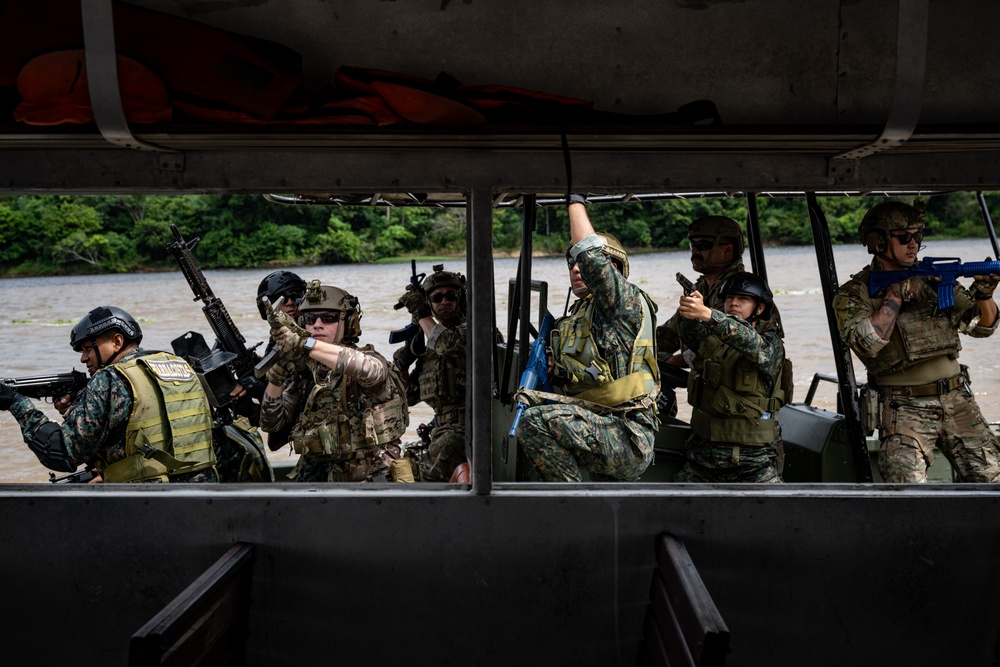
{"x":206,"y":624}
{"x":683,"y":627}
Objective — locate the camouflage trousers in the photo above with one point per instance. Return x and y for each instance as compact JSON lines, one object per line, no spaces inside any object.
{"x":445,"y":453}
{"x":723,"y":463}
{"x":910,"y":427}
{"x":562,"y":440}
{"x":371,"y":465}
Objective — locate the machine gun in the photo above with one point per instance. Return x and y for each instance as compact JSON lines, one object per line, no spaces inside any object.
{"x":412,"y":329}
{"x":945,"y":268}
{"x":686,"y":284}
{"x":52,"y":386}
{"x":81,"y":476}
{"x":220,"y":368}
{"x":536,"y":371}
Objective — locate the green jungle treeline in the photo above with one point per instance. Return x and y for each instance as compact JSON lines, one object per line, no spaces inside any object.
{"x":53,"y":235}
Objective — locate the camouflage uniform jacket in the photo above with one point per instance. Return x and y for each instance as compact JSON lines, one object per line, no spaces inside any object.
{"x":668,"y":339}
{"x":341,"y":406}
{"x":94,"y":427}
{"x":758,"y":347}
{"x":853,"y":306}
{"x":617,"y":315}
{"x":440,"y":376}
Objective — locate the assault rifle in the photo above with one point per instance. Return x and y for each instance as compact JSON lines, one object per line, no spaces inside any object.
{"x":536,"y":371}
{"x":81,"y":476}
{"x":220,"y":368}
{"x":686,"y":284}
{"x":412,"y":329}
{"x":52,"y":386}
{"x":945,"y":268}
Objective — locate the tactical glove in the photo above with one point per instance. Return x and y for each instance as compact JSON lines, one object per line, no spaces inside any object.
{"x":279,"y":372}
{"x":289,"y":342}
{"x":576,"y":198}
{"x":984,"y":286}
{"x":7,"y":396}
{"x":415,"y":302}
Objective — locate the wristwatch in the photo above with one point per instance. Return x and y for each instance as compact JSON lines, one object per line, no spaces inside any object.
{"x":308,"y":346}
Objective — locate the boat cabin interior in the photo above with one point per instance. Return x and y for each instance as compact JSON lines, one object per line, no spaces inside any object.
{"x":483,"y":106}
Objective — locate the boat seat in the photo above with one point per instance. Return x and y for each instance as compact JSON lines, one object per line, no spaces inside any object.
{"x":207,"y":623}
{"x":683,"y":626}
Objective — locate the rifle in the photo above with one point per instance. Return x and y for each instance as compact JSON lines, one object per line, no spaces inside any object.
{"x":686,"y":284}
{"x":220,"y":368}
{"x":945,"y":268}
{"x":536,"y":371}
{"x":81,"y":476}
{"x":52,"y":386}
{"x":412,"y":329}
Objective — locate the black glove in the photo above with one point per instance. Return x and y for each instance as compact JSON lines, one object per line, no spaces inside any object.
{"x":7,"y":396}
{"x":577,"y":198}
{"x":254,"y":386}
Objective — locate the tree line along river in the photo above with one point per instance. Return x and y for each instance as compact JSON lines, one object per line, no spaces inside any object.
{"x":34,"y":334}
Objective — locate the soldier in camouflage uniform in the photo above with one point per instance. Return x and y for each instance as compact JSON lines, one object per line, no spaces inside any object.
{"x":439,"y":376}
{"x":143,"y":417}
{"x":734,"y":386}
{"x":604,"y":366}
{"x":910,"y":348}
{"x":716,"y":253}
{"x":348,"y":427}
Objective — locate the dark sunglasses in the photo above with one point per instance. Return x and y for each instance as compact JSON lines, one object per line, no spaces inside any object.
{"x":441,"y":296}
{"x":570,"y":262}
{"x":702,"y":244}
{"x":906,"y":237}
{"x":293,"y":295}
{"x":308,"y":319}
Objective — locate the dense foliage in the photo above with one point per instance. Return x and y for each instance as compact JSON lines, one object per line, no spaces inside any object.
{"x":78,"y":234}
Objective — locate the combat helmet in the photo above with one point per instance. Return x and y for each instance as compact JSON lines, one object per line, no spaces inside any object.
{"x":614,"y":250}
{"x":276,"y":284}
{"x":718,"y":227}
{"x":752,"y":285}
{"x":873,"y":232}
{"x":442,"y":278}
{"x":101,"y":320}
{"x":327,"y":297}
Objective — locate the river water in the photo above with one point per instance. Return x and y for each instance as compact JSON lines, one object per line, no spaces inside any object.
{"x":34,"y":335}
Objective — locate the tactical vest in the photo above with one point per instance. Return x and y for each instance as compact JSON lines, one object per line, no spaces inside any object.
{"x":338,"y":419}
{"x":729,"y":398}
{"x":920,"y":333}
{"x":442,"y":381}
{"x":169,"y":431}
{"x":586,"y":374}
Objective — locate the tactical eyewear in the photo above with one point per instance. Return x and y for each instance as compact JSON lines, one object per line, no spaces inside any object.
{"x":293,"y":295}
{"x":905,"y":237}
{"x":702,"y":244}
{"x":308,"y":319}
{"x":441,"y":296}
{"x":571,"y":262}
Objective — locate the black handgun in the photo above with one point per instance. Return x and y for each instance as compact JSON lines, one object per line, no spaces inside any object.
{"x":685,"y":283}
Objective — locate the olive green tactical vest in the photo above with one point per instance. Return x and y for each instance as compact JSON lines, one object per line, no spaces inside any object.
{"x":338,"y":419}
{"x":170,"y":428}
{"x":920,"y":333}
{"x":587,"y":375}
{"x":729,"y":398}
{"x":442,"y":381}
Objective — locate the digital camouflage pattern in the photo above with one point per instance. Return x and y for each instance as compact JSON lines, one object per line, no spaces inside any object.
{"x":93,"y":428}
{"x":705,"y":462}
{"x":760,"y":344}
{"x":668,"y":339}
{"x":911,"y":427}
{"x":563,"y":439}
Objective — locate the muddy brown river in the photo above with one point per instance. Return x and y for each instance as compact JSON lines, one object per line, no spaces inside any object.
{"x":34,"y":334}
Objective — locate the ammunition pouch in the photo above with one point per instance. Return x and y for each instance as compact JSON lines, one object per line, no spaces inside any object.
{"x":869,"y":409}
